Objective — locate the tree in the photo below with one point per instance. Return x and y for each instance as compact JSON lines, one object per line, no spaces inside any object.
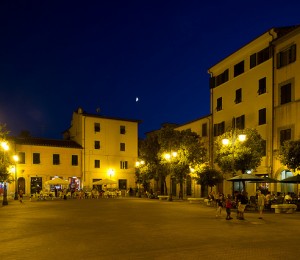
{"x":239,"y":155}
{"x":289,"y":154}
{"x":208,"y":176}
{"x":189,"y":152}
{"x":5,"y":161}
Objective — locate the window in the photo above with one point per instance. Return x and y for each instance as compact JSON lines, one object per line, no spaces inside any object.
{"x":252,"y":60}
{"x":222,"y":78}
{"x":285,"y":135}
{"x":239,"y":68}
{"x":36,"y":158}
{"x":286,"y":56}
{"x":55,"y":159}
{"x":262,"y":86}
{"x":204,"y":129}
{"x":238,"y":96}
{"x":262,"y":116}
{"x":122,"y":146}
{"x":74,"y":160}
{"x":263,"y":55}
{"x":97,"y":163}
{"x":240,"y":122}
{"x":260,"y":57}
{"x":286,"y":93}
{"x":97,"y":144}
{"x":122,"y":130}
{"x":219,"y":104}
{"x":97,"y":127}
{"x":123,"y":164}
{"x":21,"y":156}
{"x":219,"y":128}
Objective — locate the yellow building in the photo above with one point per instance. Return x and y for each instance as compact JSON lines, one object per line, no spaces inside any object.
{"x":110,"y":148}
{"x":257,"y":87}
{"x":40,"y":160}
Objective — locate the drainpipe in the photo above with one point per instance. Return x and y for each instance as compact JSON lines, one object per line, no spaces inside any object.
{"x":273,"y":90}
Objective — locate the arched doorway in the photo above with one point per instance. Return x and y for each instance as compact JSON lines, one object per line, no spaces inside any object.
{"x":21,"y":185}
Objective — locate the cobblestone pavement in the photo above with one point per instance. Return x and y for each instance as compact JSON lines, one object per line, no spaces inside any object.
{"x":134,"y":228}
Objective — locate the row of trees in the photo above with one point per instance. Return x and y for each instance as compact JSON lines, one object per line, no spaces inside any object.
{"x":191,"y":156}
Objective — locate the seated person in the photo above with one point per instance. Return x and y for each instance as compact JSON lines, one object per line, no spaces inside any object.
{"x":287,"y":198}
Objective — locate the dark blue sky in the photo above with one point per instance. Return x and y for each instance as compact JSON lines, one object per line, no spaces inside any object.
{"x":58,"y":55}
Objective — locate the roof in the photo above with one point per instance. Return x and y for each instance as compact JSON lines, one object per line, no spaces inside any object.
{"x":281,"y":31}
{"x":45,"y":142}
{"x":81,"y":111}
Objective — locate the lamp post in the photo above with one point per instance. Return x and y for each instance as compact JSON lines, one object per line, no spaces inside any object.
{"x":232,"y":143}
{"x":169,"y":157}
{"x":16,"y":159}
{"x":5,"y":147}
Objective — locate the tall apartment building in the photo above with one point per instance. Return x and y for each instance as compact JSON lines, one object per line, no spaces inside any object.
{"x":110,"y":147}
{"x":258,"y":86}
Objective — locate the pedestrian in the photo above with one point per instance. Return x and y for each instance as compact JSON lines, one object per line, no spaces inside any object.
{"x":21,"y":196}
{"x":260,"y":203}
{"x":220,"y":203}
{"x":242,"y":205}
{"x":228,"y":206}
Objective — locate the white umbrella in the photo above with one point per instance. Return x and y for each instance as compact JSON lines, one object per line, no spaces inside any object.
{"x":57,"y":181}
{"x":104,"y":182}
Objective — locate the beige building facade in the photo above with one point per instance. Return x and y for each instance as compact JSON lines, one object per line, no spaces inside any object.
{"x":258,"y":87}
{"x":110,"y":148}
{"x":40,"y":160}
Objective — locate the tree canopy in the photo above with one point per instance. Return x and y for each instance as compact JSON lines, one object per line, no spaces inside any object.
{"x":5,"y":161}
{"x":289,"y":154}
{"x":239,"y":155}
{"x":187,"y":146}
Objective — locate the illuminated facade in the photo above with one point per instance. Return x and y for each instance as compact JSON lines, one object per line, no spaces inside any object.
{"x":40,"y":160}
{"x":110,"y":147}
{"x":258,"y":87}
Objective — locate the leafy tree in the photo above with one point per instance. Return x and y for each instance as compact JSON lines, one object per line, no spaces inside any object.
{"x":289,"y":154}
{"x":239,"y":155}
{"x":208,"y":176}
{"x":5,"y":161}
{"x":189,"y":153}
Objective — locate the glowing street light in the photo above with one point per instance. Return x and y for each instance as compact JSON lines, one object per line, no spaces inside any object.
{"x":168,"y":157}
{"x":16,"y":159}
{"x":5,"y":148}
{"x":226,"y":142}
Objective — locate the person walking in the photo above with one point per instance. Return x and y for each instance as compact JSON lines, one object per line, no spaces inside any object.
{"x":228,"y":206}
{"x":220,"y":202}
{"x":260,"y":203}
{"x":21,"y":196}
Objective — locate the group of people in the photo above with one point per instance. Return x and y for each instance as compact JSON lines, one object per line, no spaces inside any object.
{"x":238,"y":201}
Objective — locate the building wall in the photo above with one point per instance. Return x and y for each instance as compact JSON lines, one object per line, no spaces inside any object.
{"x":82,"y":130}
{"x":45,"y":169}
{"x":278,"y":116}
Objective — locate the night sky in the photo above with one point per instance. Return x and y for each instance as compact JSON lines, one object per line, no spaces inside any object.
{"x":56,"y":56}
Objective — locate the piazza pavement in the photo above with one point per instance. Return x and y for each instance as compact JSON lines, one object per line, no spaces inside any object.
{"x":140,"y":228}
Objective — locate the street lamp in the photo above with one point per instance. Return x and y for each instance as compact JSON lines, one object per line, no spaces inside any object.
{"x":169,"y":157}
{"x":16,"y":159}
{"x":5,"y":148}
{"x":226,"y":142}
{"x":111,"y":172}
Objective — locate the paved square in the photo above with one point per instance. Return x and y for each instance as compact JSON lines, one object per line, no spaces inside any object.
{"x":134,"y":228}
